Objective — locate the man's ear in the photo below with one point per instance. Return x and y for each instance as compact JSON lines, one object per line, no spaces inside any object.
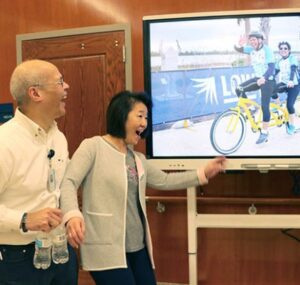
{"x":34,"y":94}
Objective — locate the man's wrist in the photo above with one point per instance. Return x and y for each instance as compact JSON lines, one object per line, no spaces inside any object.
{"x":23,"y":223}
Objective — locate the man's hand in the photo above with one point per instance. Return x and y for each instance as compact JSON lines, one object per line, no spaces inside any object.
{"x":242,"y":40}
{"x":290,"y":84}
{"x":43,"y":220}
{"x":261,"y":81}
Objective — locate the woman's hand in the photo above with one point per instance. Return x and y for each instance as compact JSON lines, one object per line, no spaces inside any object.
{"x":215,"y":166}
{"x":75,"y":230}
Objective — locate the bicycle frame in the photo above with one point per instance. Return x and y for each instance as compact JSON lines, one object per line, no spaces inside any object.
{"x":279,"y":114}
{"x":229,"y":128}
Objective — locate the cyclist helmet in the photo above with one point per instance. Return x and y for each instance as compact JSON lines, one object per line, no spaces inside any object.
{"x":256,"y":34}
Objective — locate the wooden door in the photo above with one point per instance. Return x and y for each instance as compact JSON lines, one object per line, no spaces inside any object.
{"x":93,"y":65}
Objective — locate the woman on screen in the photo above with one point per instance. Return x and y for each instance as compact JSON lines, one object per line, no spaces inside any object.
{"x":112,"y":229}
{"x":287,"y":81}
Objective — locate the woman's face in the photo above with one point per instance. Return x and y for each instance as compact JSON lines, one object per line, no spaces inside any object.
{"x":136,"y":123}
{"x":284,"y":50}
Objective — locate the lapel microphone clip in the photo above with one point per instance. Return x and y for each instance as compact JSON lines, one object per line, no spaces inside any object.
{"x":51,"y":153}
{"x":51,"y":183}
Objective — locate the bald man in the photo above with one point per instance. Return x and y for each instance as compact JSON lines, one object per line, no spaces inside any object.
{"x":33,"y":158}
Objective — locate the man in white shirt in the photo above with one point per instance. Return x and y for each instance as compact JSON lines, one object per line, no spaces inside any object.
{"x":33,"y":159}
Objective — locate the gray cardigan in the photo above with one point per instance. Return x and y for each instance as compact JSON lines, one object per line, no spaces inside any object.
{"x":102,"y":172}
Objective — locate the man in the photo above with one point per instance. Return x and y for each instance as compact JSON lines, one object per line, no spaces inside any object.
{"x":262,"y":60}
{"x":33,"y":158}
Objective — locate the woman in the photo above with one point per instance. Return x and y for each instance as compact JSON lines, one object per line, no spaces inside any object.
{"x":288,"y":81}
{"x":113,"y":229}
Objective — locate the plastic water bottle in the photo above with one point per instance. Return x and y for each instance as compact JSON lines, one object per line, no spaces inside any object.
{"x":60,"y":253}
{"x":42,"y":254}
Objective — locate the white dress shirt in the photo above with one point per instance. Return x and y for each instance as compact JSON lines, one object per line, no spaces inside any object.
{"x":24,"y":173}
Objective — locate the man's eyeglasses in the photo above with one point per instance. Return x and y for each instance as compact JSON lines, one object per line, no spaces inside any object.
{"x":59,"y":82}
{"x":283,"y":48}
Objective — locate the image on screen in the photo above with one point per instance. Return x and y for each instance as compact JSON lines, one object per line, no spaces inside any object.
{"x":192,"y":72}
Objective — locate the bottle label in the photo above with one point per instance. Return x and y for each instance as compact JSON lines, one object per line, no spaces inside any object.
{"x":59,"y":238}
{"x":40,"y":243}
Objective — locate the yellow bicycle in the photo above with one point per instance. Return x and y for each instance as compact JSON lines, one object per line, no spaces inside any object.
{"x":228,"y":130}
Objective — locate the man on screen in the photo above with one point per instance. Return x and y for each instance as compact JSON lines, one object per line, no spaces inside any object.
{"x":262,"y":60}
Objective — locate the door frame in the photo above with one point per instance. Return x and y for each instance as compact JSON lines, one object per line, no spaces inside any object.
{"x":81,"y":31}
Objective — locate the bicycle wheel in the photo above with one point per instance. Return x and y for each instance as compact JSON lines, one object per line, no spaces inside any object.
{"x":228,"y":132}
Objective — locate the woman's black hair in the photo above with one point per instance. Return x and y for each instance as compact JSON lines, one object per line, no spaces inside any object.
{"x":285,"y":44}
{"x":118,"y":109}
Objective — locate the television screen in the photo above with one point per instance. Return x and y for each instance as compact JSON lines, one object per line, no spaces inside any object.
{"x":223,"y":83}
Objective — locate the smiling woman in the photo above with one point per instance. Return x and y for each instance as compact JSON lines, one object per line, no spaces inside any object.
{"x":287,"y":69}
{"x":114,"y":207}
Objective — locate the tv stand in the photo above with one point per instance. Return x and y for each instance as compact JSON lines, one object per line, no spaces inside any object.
{"x":255,"y":221}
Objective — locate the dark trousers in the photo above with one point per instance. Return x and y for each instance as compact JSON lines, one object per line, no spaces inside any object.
{"x":292,"y":94}
{"x":267,"y":91}
{"x":16,"y":268}
{"x":139,"y":271}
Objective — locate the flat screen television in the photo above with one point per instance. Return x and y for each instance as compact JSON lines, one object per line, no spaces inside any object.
{"x":192,"y":71}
